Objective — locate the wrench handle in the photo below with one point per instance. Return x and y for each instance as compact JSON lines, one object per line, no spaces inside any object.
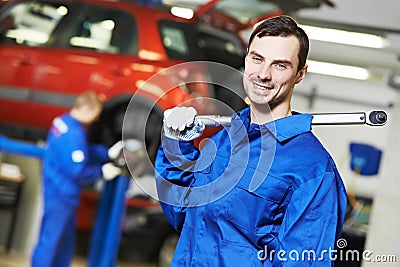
{"x":372,"y":118}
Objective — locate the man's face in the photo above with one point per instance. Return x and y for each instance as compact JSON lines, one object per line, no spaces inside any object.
{"x":271,"y":70}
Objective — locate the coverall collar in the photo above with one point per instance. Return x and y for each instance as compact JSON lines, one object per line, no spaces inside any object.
{"x":284,"y":128}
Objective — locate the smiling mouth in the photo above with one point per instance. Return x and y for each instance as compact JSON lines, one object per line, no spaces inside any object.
{"x":263,"y":89}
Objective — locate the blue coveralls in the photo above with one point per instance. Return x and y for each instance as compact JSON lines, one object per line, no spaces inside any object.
{"x":69,"y":163}
{"x":256,"y":195}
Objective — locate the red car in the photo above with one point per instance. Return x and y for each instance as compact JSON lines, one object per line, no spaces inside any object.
{"x":50,"y":51}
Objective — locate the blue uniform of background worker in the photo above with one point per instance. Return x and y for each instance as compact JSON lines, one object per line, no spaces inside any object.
{"x":264,"y":191}
{"x":69,"y":163}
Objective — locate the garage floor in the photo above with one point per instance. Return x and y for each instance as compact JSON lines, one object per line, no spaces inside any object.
{"x":14,"y":259}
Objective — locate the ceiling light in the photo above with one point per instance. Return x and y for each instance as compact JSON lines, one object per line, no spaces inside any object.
{"x":344,"y":37}
{"x":182,"y":12}
{"x":344,"y":71}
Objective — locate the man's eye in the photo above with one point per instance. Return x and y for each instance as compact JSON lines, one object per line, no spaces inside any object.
{"x":257,"y":59}
{"x":281,"y":66}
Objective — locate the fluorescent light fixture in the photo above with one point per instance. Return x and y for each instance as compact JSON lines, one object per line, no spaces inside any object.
{"x":344,"y":37}
{"x":182,"y":12}
{"x":86,"y":42}
{"x":331,"y":69}
{"x":24,"y":34}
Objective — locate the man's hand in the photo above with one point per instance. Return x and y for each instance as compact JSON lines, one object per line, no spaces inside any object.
{"x":115,"y":150}
{"x":110,"y":171}
{"x":180,"y":124}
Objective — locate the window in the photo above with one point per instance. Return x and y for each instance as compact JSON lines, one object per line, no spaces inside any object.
{"x":179,"y":40}
{"x":105,"y":30}
{"x":31,"y":23}
{"x":174,"y":39}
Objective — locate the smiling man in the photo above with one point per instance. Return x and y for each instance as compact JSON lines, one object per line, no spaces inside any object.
{"x":264,"y":191}
{"x":275,"y":62}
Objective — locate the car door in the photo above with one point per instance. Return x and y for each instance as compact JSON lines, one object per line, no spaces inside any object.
{"x":88,"y":53}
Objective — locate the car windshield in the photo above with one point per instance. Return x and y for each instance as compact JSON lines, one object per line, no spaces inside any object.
{"x":179,"y":40}
{"x":31,"y":23}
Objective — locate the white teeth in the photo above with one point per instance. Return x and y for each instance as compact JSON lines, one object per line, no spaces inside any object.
{"x":260,"y":87}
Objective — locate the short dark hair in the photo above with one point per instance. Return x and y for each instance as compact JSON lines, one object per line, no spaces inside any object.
{"x":284,"y":26}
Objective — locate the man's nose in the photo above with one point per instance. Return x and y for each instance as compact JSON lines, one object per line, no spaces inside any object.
{"x":264,"y":73}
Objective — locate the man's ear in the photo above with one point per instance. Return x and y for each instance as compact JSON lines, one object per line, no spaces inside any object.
{"x":301,"y":74}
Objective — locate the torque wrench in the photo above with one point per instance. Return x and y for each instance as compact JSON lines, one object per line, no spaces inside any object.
{"x":372,"y":118}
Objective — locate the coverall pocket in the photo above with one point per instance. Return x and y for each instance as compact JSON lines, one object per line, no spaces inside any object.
{"x":257,"y":213}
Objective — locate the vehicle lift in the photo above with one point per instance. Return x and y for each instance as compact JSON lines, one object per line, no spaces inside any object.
{"x":111,"y":210}
{"x":106,"y":234}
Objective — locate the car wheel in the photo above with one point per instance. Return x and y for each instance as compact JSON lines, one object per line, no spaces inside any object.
{"x":139,"y":123}
{"x":167,"y":250}
{"x":145,"y":124}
